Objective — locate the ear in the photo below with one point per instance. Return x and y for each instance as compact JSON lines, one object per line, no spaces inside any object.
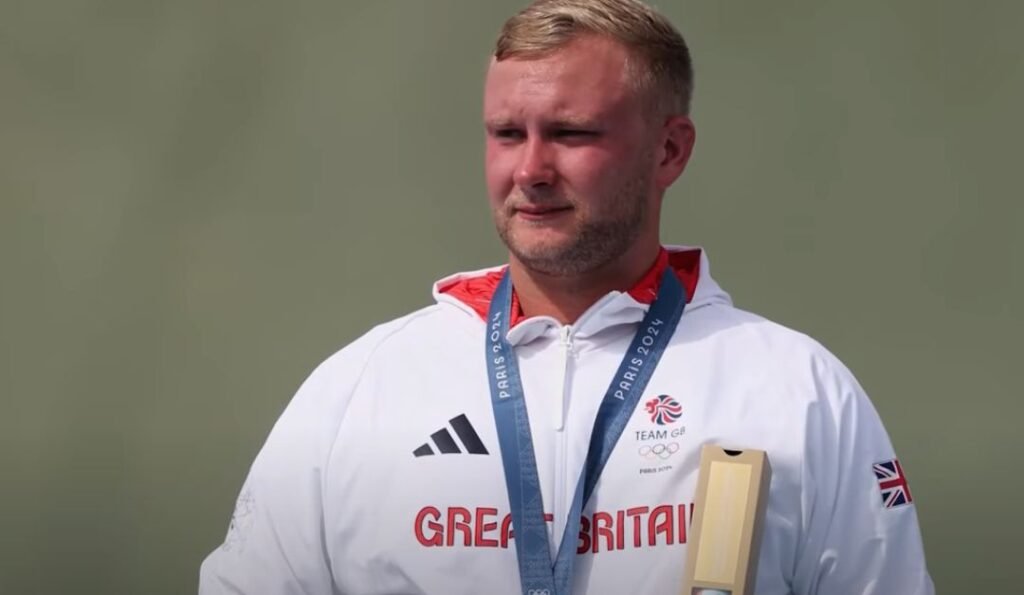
{"x":678,"y":136}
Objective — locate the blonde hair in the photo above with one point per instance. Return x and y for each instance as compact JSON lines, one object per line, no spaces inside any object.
{"x":662,"y":66}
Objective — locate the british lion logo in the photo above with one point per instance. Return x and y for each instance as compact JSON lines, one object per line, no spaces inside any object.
{"x":664,"y":410}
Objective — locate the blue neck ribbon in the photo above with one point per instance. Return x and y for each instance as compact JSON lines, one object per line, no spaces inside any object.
{"x":538,"y":574}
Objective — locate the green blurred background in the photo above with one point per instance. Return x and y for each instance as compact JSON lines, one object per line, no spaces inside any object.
{"x":200,"y":200}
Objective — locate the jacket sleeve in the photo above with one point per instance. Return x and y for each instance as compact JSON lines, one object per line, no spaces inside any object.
{"x":860,"y":532}
{"x":275,"y":542}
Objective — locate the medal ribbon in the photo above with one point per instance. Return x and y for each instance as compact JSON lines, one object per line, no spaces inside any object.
{"x":538,"y":575}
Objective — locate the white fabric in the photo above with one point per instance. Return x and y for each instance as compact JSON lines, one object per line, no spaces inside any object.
{"x":336,"y":502}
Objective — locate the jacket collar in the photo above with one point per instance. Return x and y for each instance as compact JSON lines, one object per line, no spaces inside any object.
{"x":472,"y":292}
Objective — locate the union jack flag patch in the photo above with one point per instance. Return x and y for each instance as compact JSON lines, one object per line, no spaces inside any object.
{"x":893,"y":484}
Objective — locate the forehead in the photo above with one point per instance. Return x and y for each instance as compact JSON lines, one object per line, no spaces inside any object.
{"x":587,"y":77}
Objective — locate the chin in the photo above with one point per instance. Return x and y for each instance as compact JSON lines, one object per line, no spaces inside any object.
{"x":549,"y":258}
{"x":540,"y":243}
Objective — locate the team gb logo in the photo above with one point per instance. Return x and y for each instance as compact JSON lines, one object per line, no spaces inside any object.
{"x":664,"y":410}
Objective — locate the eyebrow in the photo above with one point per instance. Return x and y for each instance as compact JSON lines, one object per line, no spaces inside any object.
{"x":496,"y":123}
{"x":575,"y":122}
{"x":565,"y":121}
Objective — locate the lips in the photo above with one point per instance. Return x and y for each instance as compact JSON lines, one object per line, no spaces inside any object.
{"x":536,"y":212}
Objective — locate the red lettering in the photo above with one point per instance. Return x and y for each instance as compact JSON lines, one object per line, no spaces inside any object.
{"x":620,"y":530}
{"x":681,"y":514}
{"x":584,"y":544}
{"x":602,"y":531}
{"x":654,"y":526}
{"x":603,"y":518}
{"x":482,"y":526}
{"x":635,"y":514}
{"x":438,"y":537}
{"x":458,"y":520}
{"x":506,"y":530}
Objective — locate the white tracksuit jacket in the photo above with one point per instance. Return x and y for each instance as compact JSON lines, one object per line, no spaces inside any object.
{"x":384,"y":475}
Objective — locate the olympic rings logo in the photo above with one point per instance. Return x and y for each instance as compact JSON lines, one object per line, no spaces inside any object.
{"x":662,"y":451}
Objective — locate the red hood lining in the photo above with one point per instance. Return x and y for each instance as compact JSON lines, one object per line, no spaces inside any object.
{"x":476,"y":292}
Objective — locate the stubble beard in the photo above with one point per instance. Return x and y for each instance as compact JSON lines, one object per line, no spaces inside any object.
{"x":595,"y":242}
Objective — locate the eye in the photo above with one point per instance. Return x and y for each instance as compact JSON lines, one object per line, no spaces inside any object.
{"x":571,"y":132}
{"x":507,"y":133}
{"x":574,"y":135}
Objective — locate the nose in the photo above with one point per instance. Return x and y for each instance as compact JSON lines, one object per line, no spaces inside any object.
{"x":536,"y":166}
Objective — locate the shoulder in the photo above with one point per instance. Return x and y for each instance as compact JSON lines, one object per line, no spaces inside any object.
{"x":318,"y":407}
{"x":773,"y":352}
{"x":754,"y":334}
{"x":346,"y":365}
{"x":796,"y":385}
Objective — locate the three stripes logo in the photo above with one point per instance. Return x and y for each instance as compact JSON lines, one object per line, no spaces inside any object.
{"x":445,"y":443}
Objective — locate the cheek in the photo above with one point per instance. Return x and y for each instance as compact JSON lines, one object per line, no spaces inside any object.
{"x":588,"y":172}
{"x":499,"y":167}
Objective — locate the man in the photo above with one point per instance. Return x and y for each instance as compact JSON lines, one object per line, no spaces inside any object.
{"x":537,"y":430}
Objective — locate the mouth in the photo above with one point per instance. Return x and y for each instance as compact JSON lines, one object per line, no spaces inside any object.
{"x":540,"y":213}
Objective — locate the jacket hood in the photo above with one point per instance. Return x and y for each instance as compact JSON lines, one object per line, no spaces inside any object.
{"x":471,"y":291}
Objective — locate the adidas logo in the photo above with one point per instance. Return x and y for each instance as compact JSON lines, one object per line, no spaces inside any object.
{"x":446,"y":445}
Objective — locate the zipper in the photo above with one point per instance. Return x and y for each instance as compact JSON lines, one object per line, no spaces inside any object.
{"x":560,"y":402}
{"x":561,"y":439}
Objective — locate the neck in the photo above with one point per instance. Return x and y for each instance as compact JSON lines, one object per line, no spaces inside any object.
{"x":566,"y":298}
